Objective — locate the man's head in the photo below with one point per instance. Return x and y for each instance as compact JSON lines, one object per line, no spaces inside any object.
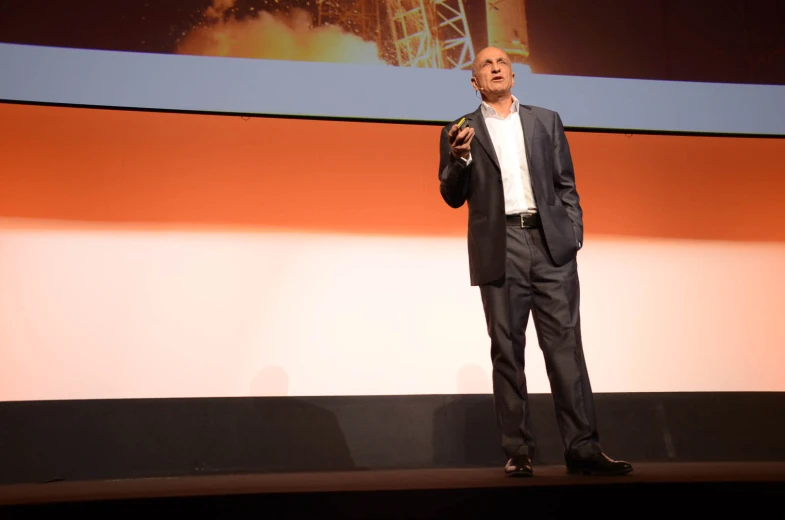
{"x":492,"y":73}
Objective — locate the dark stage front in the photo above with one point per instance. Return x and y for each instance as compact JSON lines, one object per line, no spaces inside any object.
{"x":661,"y":488}
{"x":378,"y":456}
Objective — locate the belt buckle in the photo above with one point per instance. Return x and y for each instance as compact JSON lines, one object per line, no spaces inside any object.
{"x":528,"y":220}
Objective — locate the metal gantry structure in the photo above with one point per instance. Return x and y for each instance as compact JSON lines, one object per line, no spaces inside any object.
{"x":425,"y":33}
{"x":430,"y":33}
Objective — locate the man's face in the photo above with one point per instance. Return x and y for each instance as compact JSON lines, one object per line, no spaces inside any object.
{"x":493,"y":72}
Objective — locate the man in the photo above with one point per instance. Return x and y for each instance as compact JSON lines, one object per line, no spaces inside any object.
{"x":512,"y":164}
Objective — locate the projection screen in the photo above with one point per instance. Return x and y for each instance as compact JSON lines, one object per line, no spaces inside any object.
{"x":649,"y":65}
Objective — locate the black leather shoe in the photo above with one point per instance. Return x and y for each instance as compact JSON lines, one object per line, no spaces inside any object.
{"x":599,"y":465}
{"x":519,"y":466}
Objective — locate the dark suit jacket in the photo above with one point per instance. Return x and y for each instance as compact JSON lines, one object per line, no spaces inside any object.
{"x":480,"y":184}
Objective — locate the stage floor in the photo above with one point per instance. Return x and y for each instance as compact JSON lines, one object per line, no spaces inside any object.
{"x":416,"y":493}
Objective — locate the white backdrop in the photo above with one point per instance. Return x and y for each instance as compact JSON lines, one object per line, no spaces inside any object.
{"x":123,"y":313}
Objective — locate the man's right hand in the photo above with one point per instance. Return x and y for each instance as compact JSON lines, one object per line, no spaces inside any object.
{"x":460,"y":141}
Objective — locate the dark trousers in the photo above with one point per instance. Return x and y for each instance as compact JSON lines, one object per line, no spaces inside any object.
{"x":533,"y":283}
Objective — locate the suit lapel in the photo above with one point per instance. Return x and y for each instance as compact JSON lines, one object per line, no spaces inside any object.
{"x":537,"y":173}
{"x":484,"y":138}
{"x":527,"y":119}
{"x":482,"y":135}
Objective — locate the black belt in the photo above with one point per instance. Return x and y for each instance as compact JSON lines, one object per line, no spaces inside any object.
{"x":524,"y":220}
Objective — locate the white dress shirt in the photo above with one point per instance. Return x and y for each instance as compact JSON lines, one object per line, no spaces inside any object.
{"x":507,"y":137}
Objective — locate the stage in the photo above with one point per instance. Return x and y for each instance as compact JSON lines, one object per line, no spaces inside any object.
{"x":416,"y":493}
{"x":382,"y":457}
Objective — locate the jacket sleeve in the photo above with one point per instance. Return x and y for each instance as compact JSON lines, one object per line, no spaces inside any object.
{"x":453,"y":175}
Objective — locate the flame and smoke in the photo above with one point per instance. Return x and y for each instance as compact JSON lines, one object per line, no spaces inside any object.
{"x":267,"y":36}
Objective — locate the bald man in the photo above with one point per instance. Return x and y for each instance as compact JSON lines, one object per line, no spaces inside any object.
{"x":511,"y":164}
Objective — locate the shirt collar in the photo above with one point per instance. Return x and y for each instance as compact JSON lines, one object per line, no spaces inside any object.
{"x":489,"y":111}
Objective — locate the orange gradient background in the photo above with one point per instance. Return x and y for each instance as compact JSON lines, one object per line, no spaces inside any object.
{"x":175,"y":255}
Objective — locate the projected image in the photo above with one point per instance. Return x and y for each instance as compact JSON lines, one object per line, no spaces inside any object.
{"x":412,"y":33}
{"x":409,"y":33}
{"x":728,"y":41}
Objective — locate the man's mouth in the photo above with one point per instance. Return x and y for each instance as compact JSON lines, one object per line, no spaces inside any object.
{"x":497,"y":78}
